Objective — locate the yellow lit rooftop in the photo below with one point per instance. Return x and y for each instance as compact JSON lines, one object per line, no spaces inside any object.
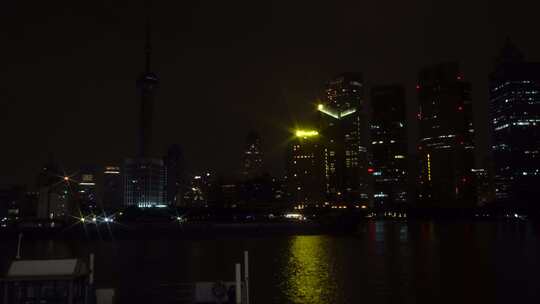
{"x":306,"y":133}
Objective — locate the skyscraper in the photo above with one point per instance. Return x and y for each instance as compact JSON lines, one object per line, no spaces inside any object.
{"x":55,"y":200}
{"x":446,"y":147}
{"x":389,"y":146}
{"x":305,"y":168}
{"x":515,"y":115}
{"x":343,"y":127}
{"x":112,"y":188}
{"x":87,"y":188}
{"x":147,"y":85}
{"x":174,"y":162}
{"x":144,"y":176}
{"x":144,"y":183}
{"x":252,"y":158}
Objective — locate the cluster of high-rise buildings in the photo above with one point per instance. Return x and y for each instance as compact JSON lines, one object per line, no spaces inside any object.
{"x":359,"y":152}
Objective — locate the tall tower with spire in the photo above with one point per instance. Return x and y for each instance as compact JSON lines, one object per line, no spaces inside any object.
{"x":147,"y":85}
{"x":145,"y":176}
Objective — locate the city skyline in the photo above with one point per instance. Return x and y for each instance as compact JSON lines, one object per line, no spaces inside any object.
{"x":63,"y":122}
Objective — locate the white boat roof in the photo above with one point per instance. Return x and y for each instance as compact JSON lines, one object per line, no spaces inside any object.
{"x":45,"y":268}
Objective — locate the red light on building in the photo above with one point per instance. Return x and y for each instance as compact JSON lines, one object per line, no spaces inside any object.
{"x":464,"y":179}
{"x":370,"y":170}
{"x":460,"y":108}
{"x":459,"y":77}
{"x":418,"y":87}
{"x":419,"y":115}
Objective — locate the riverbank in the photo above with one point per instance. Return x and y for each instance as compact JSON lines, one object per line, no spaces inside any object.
{"x":207,"y":230}
{"x":202,"y":230}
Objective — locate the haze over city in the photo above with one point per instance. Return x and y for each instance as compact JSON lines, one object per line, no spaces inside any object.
{"x":225,"y":69}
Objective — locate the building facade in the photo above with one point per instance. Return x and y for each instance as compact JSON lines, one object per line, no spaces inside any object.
{"x":144,"y":183}
{"x":388,"y":134}
{"x":515,"y":116}
{"x":55,"y":197}
{"x":252,"y":158}
{"x":446,"y":147}
{"x":174,"y":161}
{"x":305,"y":168}
{"x":112,"y":188}
{"x":343,"y":127}
{"x":87,"y":184}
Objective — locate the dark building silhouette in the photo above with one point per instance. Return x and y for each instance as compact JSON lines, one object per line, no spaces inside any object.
{"x":279,"y":191}
{"x":305,"y":168}
{"x":388,"y":135}
{"x":198,"y":194}
{"x":446,"y":147}
{"x":112,"y":188}
{"x":55,"y":200}
{"x":255,"y":192}
{"x":174,"y":163}
{"x":343,"y":126}
{"x":87,"y":184}
{"x":147,"y":85}
{"x":252,"y":158}
{"x":515,"y":116}
{"x":12,"y":199}
{"x":144,"y":176}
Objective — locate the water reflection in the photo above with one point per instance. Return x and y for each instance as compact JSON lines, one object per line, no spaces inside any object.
{"x":403,"y":233}
{"x":309,"y":272}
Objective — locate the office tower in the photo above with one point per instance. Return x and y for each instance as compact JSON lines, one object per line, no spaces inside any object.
{"x":446,"y":147}
{"x":174,"y":162}
{"x":144,"y":176}
{"x":252,"y":159}
{"x":144,"y":183}
{"x":112,"y":188}
{"x":389,"y":147}
{"x":55,"y":200}
{"x":87,"y":188}
{"x":198,"y":193}
{"x":515,"y":114}
{"x":343,"y":127}
{"x":12,"y":199}
{"x":279,"y":190}
{"x":255,"y":192}
{"x":305,"y":168}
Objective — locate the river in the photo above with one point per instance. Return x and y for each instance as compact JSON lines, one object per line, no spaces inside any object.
{"x":386,"y":262}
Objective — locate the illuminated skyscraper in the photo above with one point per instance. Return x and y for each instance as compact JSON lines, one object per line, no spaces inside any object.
{"x":305,"y":168}
{"x":343,"y":127}
{"x":144,"y":176}
{"x":252,"y":160}
{"x":515,"y":115}
{"x":144,"y":183}
{"x":389,"y":146}
{"x":446,"y":147}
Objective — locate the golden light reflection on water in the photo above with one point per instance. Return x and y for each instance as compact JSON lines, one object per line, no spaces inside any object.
{"x":309,"y":271}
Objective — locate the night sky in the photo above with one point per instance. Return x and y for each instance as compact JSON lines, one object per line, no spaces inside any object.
{"x":67,"y":82}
